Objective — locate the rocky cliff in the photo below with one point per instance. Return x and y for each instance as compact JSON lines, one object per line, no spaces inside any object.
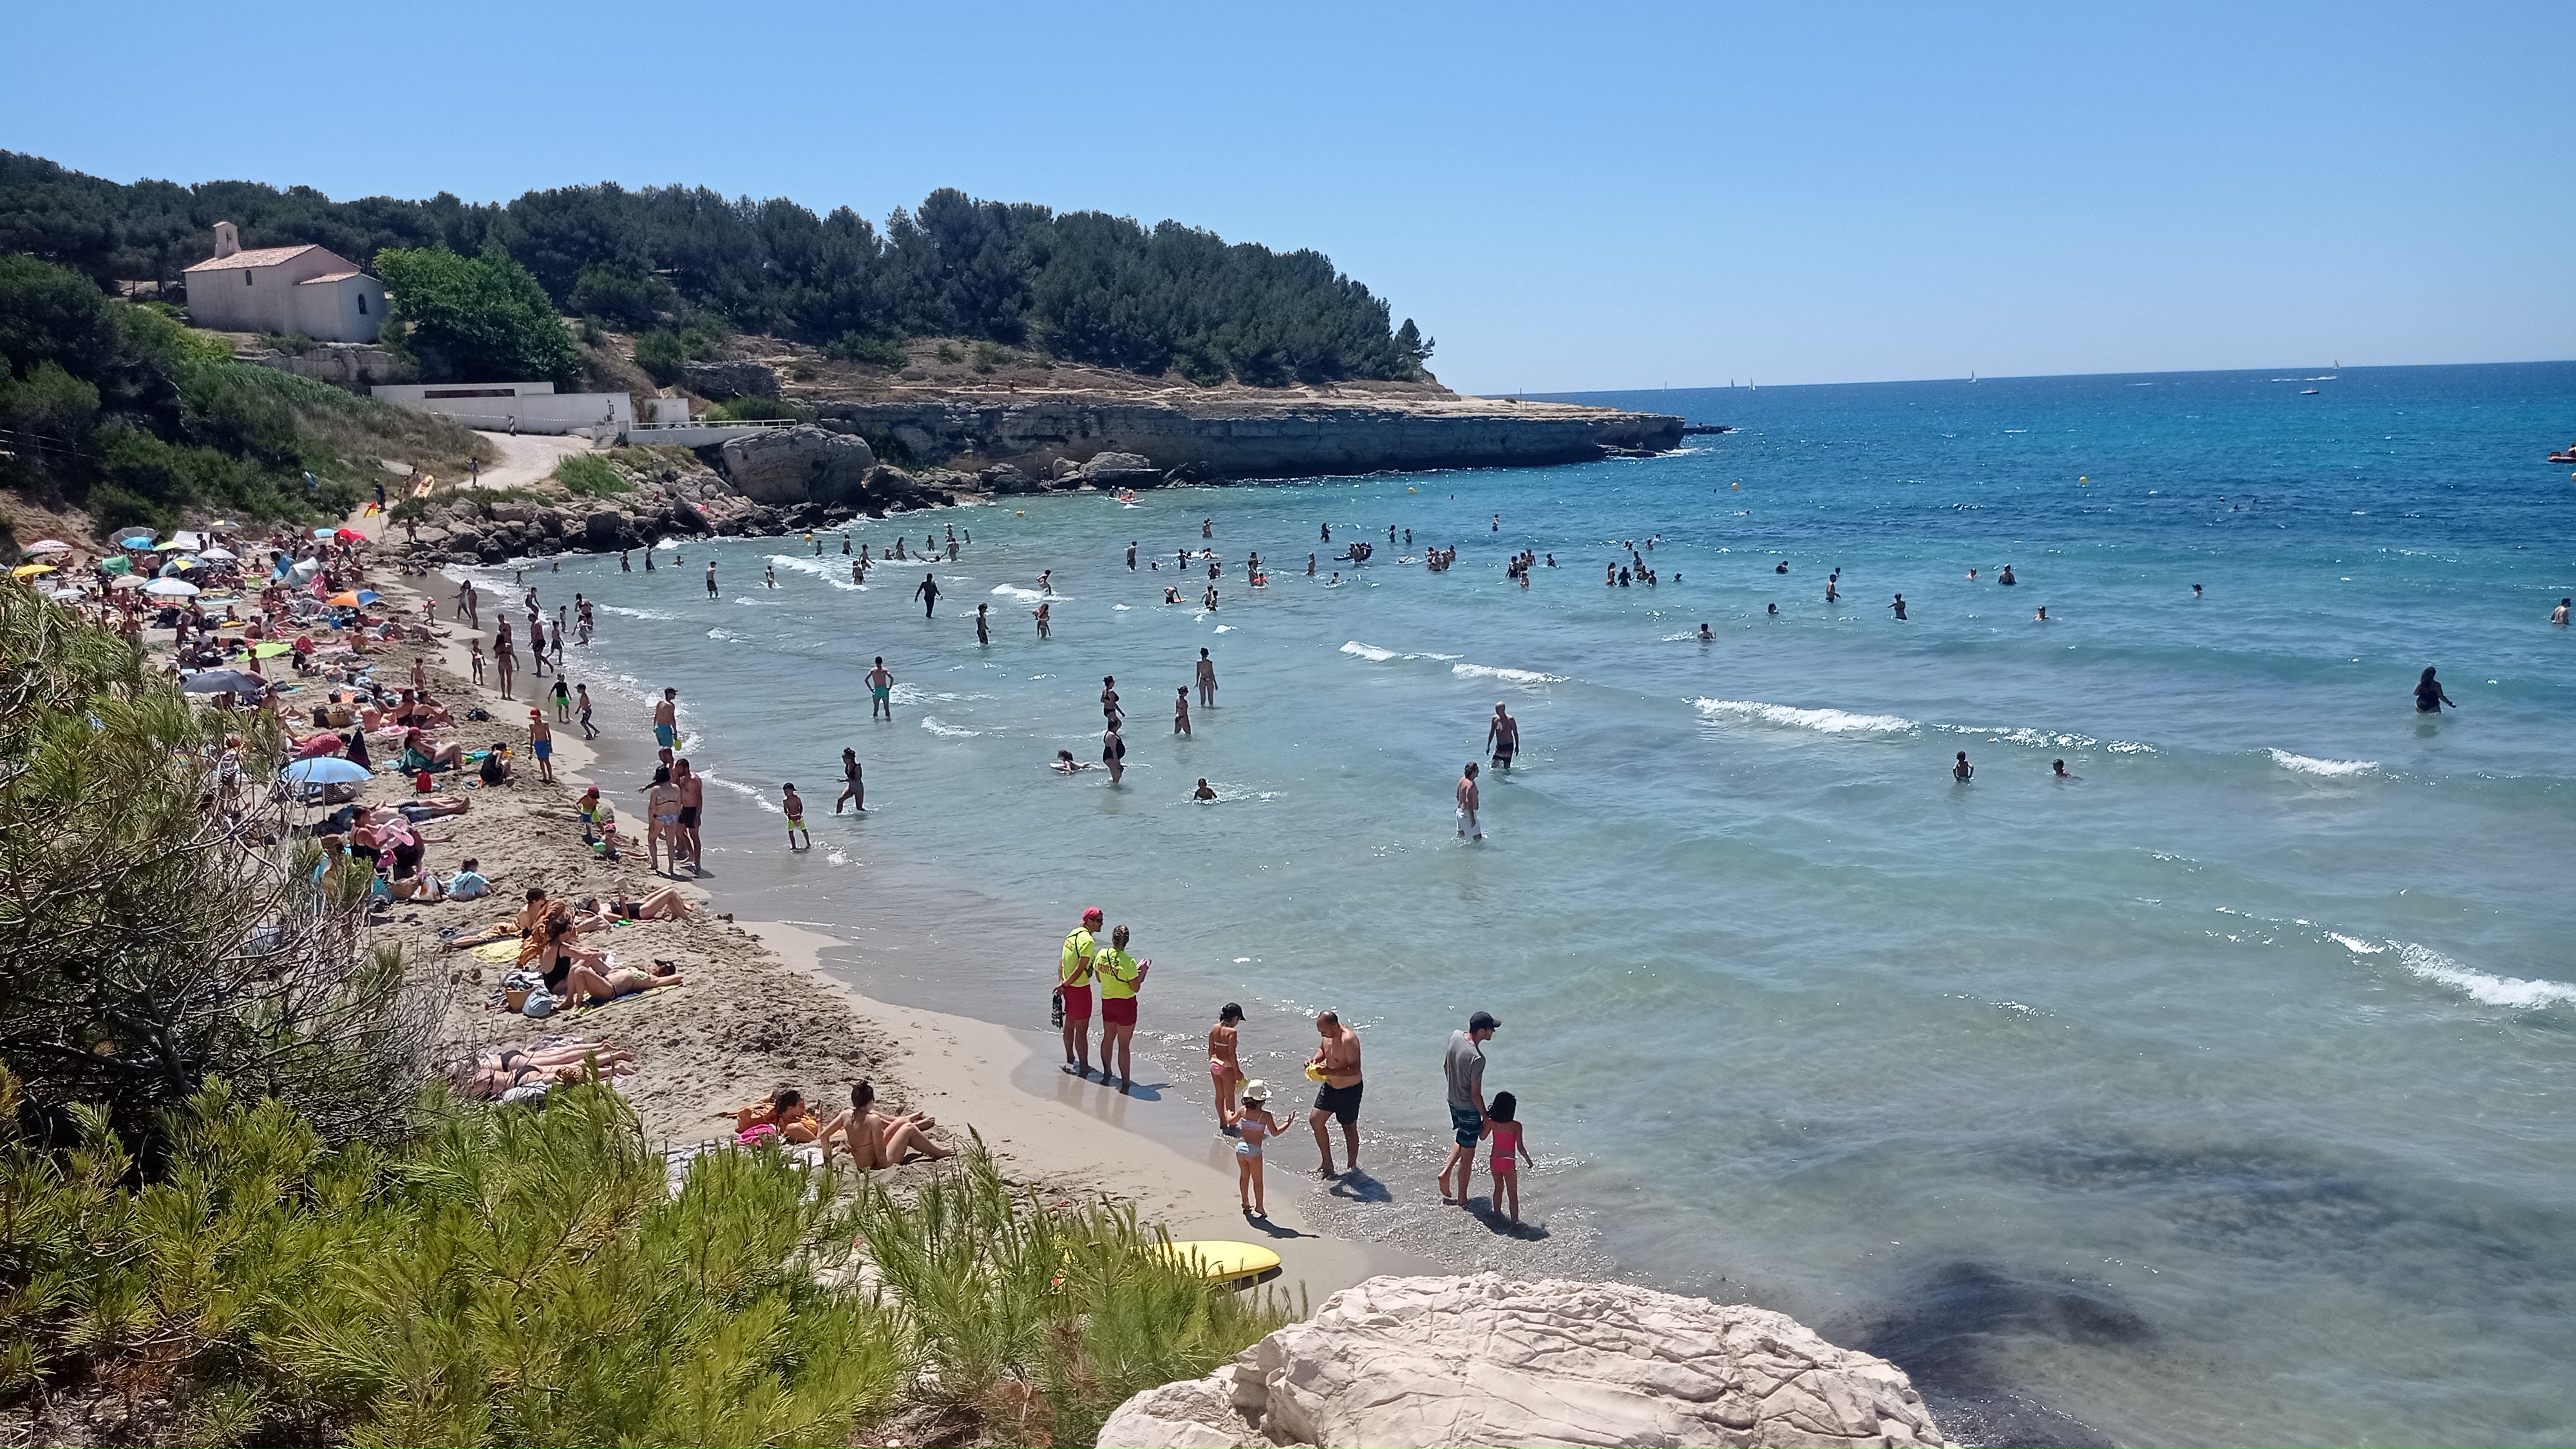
{"x":1482,"y":1361}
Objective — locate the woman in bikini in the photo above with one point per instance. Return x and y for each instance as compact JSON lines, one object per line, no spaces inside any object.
{"x":584,"y":986}
{"x":785,"y":1112}
{"x":505,"y":658}
{"x":1222,"y":1065}
{"x":662,"y":820}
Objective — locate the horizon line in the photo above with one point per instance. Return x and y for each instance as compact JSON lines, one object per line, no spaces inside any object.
{"x":2029,"y":377}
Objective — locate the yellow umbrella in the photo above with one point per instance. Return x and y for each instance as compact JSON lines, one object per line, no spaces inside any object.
{"x":30,"y":570}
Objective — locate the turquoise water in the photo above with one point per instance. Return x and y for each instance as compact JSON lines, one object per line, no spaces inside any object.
{"x":2218,"y":1095}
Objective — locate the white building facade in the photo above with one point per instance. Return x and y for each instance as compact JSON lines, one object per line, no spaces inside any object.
{"x":526,"y":407}
{"x":306,"y":289}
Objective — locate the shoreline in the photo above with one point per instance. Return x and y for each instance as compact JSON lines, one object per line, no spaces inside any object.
{"x":692,"y":1062}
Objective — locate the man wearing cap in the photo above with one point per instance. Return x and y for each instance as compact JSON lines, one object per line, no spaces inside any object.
{"x":1465,"y":1066}
{"x":1073,"y":973}
{"x":1336,"y":1064}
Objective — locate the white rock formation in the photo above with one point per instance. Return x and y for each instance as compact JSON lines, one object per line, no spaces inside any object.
{"x":1398,"y":1362}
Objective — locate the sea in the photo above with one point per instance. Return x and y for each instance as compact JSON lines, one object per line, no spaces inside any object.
{"x":2220,"y":1091}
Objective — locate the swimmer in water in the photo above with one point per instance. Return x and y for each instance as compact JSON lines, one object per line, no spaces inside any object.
{"x":1066,"y":764}
{"x":1972,"y":576}
{"x":1704,"y":635}
{"x":1775,"y":610}
{"x":2042,"y":616}
{"x":2557,"y":616}
{"x":2057,"y":771}
{"x":1205,"y":791}
{"x":2195,"y":591}
{"x":1899,"y":606}
{"x":1963,"y":772}
{"x":2429,"y":697}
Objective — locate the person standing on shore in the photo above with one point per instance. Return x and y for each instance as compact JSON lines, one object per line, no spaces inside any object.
{"x":1207,"y":681}
{"x":563,"y":700}
{"x":505,"y":660}
{"x":1336,"y":1064}
{"x":693,"y":801}
{"x":1073,"y":976}
{"x":541,"y":743}
{"x":852,"y":788}
{"x":1223,"y":1064}
{"x":792,"y":805}
{"x":1121,"y":976}
{"x":1464,"y":1066}
{"x":881,"y":691}
{"x":1467,"y":801}
{"x":1503,"y":736}
{"x":666,"y":720}
{"x":928,"y":592}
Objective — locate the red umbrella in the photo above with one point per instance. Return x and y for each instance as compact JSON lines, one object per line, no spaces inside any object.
{"x":351,"y":535}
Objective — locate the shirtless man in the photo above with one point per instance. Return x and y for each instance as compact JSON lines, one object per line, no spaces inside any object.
{"x":881,"y":691}
{"x":1207,"y":681}
{"x":666,"y":720}
{"x":1503,"y":736}
{"x":1467,"y":801}
{"x":928,"y":592}
{"x":874,"y":1137}
{"x":1338,"y":1057}
{"x":1131,"y":556}
{"x":983,"y":624}
{"x":711,"y":578}
{"x":852,"y":787}
{"x":693,"y":800}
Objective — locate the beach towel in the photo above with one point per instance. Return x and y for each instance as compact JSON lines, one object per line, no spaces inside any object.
{"x":498,"y":951}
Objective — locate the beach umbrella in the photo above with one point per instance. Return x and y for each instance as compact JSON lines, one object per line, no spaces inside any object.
{"x":325,"y":532}
{"x":368,"y":596}
{"x":135,"y":540}
{"x":127,"y":581}
{"x":171,"y":588}
{"x":68,"y":594}
{"x":217,"y":553}
{"x":223,"y":681}
{"x":50,"y":545}
{"x":116,"y":565}
{"x":31,"y":570}
{"x":345,"y":599}
{"x":324,"y":770}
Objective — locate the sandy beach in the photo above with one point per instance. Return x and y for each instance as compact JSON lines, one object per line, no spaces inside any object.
{"x":759,"y":1010}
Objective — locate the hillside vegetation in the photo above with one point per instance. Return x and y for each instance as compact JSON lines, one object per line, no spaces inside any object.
{"x":1081,"y":285}
{"x":115,"y":407}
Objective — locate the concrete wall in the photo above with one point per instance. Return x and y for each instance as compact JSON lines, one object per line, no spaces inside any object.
{"x":532,"y":407}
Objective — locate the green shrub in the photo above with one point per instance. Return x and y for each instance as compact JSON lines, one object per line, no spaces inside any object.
{"x":623,"y":293}
{"x":520,"y":1275}
{"x":590,"y":476}
{"x":948,"y":353}
{"x":754,"y":407}
{"x":874,"y":351}
{"x":990,"y":355}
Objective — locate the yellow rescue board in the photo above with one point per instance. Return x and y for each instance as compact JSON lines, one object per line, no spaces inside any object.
{"x":1221,"y":1261}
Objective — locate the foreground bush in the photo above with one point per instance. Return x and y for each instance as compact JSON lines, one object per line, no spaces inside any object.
{"x":526,"y":1276}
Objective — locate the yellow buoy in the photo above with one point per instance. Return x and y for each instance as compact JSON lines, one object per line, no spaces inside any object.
{"x":1739,"y":486}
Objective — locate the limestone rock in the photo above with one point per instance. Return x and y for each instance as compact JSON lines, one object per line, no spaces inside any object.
{"x":797,"y":465}
{"x":1481,"y":1361}
{"x":1003,"y":478}
{"x":724,"y":380}
{"x":1121,"y":470}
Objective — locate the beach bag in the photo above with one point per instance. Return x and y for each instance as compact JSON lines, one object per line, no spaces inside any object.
{"x":539,"y":1005}
{"x":422,"y":784}
{"x":755,"y":1135}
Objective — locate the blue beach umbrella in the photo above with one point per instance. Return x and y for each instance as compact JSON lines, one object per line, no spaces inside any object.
{"x":324,"y":770}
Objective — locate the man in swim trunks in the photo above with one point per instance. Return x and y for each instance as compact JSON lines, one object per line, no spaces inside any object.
{"x":693,"y":798}
{"x":1338,"y":1058}
{"x":1073,"y":977}
{"x":711,"y":578}
{"x":541,"y":743}
{"x":1503,"y":735}
{"x":1464,"y":1065}
{"x":666,"y":720}
{"x":881,"y":691}
{"x":852,"y":787}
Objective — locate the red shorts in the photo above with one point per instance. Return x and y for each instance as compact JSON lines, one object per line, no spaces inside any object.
{"x":1077,"y":1002}
{"x":1118,"y":1010}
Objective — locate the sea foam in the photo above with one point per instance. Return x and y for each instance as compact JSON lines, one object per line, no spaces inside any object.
{"x":1508,"y":676}
{"x":1823,"y":721}
{"x":2327,"y":769}
{"x":2512,"y":992}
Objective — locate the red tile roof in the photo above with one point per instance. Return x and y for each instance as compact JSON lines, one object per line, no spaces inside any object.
{"x":259,"y":257}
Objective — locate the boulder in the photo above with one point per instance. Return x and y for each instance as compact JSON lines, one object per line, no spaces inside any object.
{"x":605,"y":530}
{"x":723,"y":380}
{"x":1118,"y":468}
{"x":1446,"y":1361}
{"x":1003,"y":478}
{"x":801,"y":464}
{"x":916,"y":438}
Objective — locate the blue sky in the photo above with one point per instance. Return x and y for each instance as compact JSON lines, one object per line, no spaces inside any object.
{"x":1565,"y":196}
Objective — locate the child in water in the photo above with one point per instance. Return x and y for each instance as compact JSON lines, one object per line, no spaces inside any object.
{"x":794,"y":805}
{"x":1253,"y":1125}
{"x":1509,"y":1152}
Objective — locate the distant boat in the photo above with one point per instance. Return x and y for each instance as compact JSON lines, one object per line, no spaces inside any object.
{"x":2569,"y":456}
{"x":2307,"y":392}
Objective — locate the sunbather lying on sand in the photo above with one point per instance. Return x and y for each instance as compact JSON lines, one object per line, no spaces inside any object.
{"x":498,"y":1069}
{"x":431,"y":807}
{"x":876,"y":1138}
{"x":664,"y":904}
{"x":785,"y":1110}
{"x":584,"y":986}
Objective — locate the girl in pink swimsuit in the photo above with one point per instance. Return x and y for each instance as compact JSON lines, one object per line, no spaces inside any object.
{"x":1256,"y":1125}
{"x":1509,"y":1151}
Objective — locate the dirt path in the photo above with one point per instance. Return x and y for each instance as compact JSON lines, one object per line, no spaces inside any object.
{"x":527,"y":457}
